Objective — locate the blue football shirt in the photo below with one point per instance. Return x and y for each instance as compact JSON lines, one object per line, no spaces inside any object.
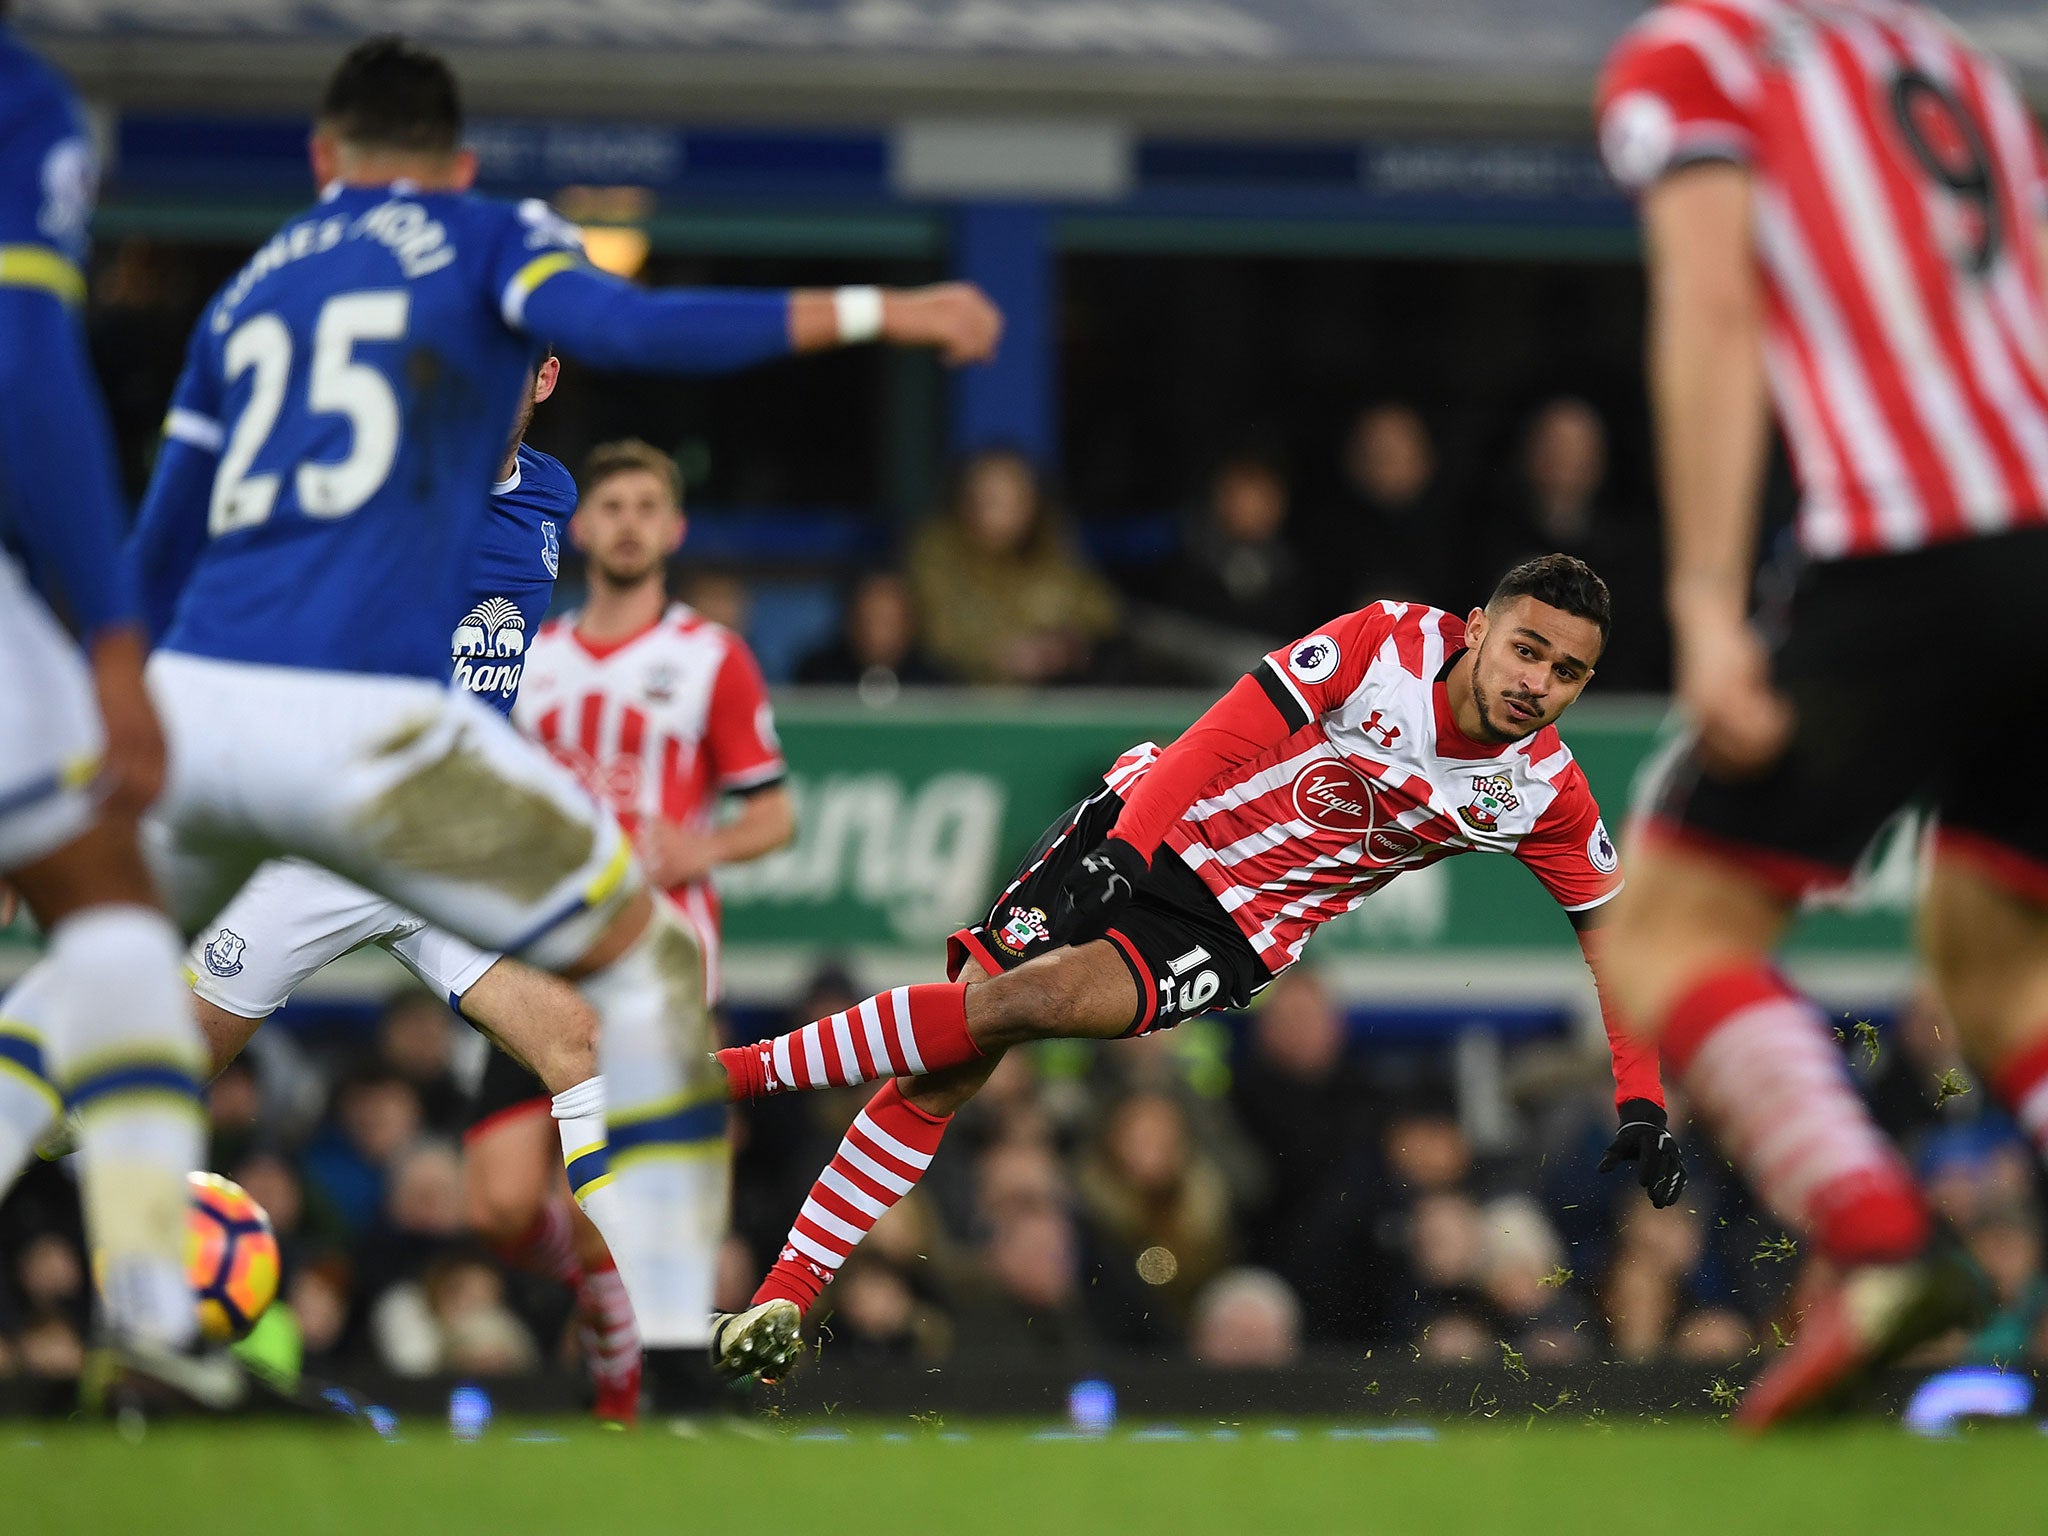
{"x":515,"y":575}
{"x":323,"y":489}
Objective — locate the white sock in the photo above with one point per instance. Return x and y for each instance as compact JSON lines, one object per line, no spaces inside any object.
{"x":127,"y":1053}
{"x":663,"y":1213}
{"x":29,"y":1105}
{"x":579,"y":1117}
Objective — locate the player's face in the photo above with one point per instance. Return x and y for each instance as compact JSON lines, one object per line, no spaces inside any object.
{"x":1529,"y":661}
{"x":628,"y":526}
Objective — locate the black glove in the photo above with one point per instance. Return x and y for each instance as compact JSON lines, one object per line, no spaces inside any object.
{"x":1101,"y":886}
{"x":1642,"y":1140}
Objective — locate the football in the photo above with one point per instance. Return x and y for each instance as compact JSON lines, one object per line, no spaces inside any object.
{"x":231,"y":1256}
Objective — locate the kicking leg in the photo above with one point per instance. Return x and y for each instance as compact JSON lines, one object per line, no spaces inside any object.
{"x":1082,"y":992}
{"x":881,"y":1159}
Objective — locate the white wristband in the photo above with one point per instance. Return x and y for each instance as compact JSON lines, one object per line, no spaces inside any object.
{"x":859,"y":312}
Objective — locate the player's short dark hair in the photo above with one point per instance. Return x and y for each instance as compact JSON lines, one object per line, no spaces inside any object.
{"x":630,"y":454}
{"x":1562,"y":581}
{"x":391,"y":93}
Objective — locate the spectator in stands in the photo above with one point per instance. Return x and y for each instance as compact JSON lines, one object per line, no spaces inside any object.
{"x":1310,"y":1112}
{"x":1157,"y":1201}
{"x":376,"y":1115}
{"x":234,"y":1109}
{"x":453,"y":1319}
{"x":1425,"y":1148}
{"x":878,"y":648}
{"x":1648,"y":1283}
{"x":719,"y":596}
{"x":1003,"y":597}
{"x":1246,"y":1318}
{"x":1556,"y":500}
{"x":273,"y":1184}
{"x":318,"y":1295}
{"x":1712,"y":1336}
{"x":1029,"y":1297}
{"x":1236,"y":570}
{"x":1522,"y":1272}
{"x":878,"y":1317}
{"x":1391,"y":532}
{"x":1444,"y":1249}
{"x":416,"y":1041}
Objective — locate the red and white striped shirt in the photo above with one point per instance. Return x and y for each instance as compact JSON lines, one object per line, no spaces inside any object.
{"x":1898,"y":185}
{"x":658,"y":725}
{"x":1379,"y":780}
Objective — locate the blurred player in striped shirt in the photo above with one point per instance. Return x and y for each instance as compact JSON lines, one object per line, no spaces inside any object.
{"x":1390,"y":739}
{"x":1842,"y":208}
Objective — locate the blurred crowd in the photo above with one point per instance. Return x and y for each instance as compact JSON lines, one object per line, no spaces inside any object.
{"x":1238,"y":1192}
{"x":997,"y":586}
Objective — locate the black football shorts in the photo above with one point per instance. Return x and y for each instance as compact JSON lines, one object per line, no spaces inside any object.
{"x":505,"y":1089}
{"x":1920,"y":679}
{"x":1179,"y":945}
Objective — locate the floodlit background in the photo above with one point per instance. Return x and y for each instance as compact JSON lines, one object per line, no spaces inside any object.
{"x":1309,"y":302}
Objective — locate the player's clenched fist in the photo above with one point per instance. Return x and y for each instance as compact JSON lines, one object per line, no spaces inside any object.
{"x":956,"y":318}
{"x":1101,"y":886}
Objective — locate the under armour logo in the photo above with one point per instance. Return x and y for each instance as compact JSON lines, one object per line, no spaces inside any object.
{"x":1388,"y":734}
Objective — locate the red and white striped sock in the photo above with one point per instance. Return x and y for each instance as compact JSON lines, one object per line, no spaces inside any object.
{"x":896,"y":1034}
{"x":1762,"y":1069}
{"x":886,"y":1151}
{"x":2021,"y":1084}
{"x":547,"y":1248}
{"x":606,"y":1331}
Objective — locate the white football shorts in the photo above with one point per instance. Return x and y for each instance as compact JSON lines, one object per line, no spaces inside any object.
{"x":292,"y":918}
{"x":419,"y":793}
{"x":50,"y":734}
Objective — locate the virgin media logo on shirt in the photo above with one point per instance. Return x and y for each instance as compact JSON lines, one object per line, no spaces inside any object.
{"x":1335,"y":797}
{"x":1389,"y":845}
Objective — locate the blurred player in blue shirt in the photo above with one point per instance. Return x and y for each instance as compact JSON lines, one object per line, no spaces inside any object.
{"x":81,"y":755}
{"x":342,"y":414}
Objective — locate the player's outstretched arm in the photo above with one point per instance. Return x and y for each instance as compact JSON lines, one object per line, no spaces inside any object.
{"x":1644,"y":1137}
{"x":957,"y":320}
{"x":612,"y":324}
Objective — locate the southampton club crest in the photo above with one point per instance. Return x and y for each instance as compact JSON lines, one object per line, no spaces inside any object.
{"x":490,"y":648}
{"x":1493,"y":795}
{"x":1026,"y":926}
{"x":223,"y":954}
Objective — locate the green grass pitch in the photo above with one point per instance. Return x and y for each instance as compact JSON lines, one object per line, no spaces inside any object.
{"x":908,"y":1479}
